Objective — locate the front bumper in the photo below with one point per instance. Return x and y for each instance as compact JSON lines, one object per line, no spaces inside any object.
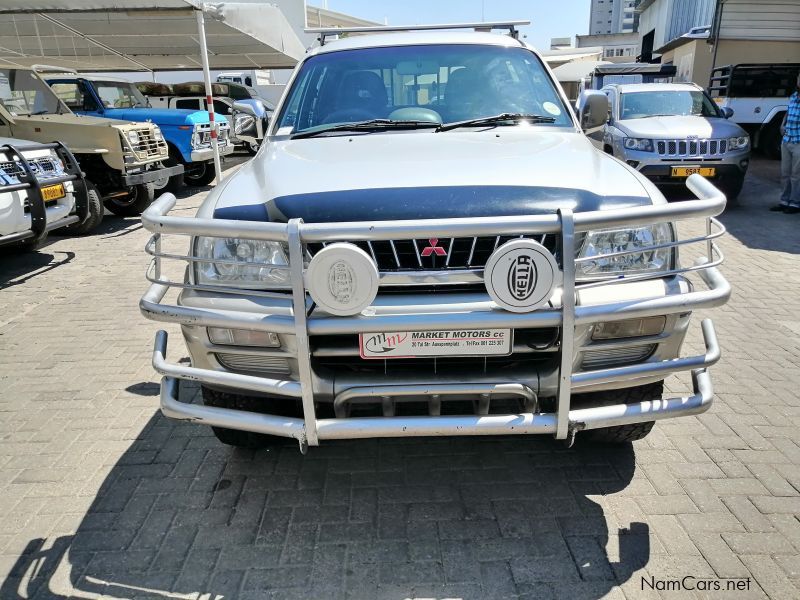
{"x":205,"y":154}
{"x":151,"y":175}
{"x":42,"y":220}
{"x":294,"y":321}
{"x":658,"y":168}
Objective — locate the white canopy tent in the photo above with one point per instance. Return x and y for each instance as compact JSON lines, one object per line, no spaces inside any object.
{"x":147,"y":35}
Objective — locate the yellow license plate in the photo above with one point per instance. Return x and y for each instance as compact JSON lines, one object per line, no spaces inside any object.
{"x":53,"y":192}
{"x":686,"y":171}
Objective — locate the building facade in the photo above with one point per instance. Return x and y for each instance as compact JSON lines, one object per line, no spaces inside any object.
{"x":613,"y":16}
{"x":617,"y":47}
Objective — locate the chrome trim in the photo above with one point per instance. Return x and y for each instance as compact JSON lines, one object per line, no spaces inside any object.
{"x":301,"y":331}
{"x":567,"y":323}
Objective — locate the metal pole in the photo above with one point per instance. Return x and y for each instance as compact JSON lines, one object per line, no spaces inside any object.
{"x":201,"y":33}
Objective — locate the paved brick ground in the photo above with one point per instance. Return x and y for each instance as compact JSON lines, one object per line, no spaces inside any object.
{"x":101,"y":496}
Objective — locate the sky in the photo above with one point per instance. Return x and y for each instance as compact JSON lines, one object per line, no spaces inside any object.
{"x":548,"y":19}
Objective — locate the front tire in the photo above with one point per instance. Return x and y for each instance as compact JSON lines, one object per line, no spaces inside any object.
{"x":96,"y":212}
{"x":622,"y":434}
{"x":135,"y":203}
{"x":200,"y":174}
{"x":248,"y":439}
{"x":169,"y":184}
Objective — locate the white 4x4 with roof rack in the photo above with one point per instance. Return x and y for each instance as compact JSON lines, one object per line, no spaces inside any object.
{"x":428,"y":244}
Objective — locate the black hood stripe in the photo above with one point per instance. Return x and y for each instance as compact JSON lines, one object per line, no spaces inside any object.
{"x":395,"y":204}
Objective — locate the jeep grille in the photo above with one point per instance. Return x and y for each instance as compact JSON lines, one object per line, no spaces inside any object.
{"x":691,"y":147}
{"x":43,"y":168}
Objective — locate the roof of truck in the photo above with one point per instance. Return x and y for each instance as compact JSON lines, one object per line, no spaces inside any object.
{"x":412,"y":38}
{"x":655,"y":87}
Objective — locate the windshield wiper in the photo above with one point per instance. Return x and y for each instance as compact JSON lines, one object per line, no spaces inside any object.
{"x":496,"y":120}
{"x":39,"y":112}
{"x":371,"y":125}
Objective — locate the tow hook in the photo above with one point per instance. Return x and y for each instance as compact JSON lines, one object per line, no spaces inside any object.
{"x":572,"y":431}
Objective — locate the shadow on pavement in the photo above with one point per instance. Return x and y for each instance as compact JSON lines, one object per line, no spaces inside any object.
{"x":437,"y":517}
{"x":18,"y":268}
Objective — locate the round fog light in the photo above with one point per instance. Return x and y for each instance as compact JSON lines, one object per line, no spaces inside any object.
{"x":520,"y":275}
{"x":342,"y":279}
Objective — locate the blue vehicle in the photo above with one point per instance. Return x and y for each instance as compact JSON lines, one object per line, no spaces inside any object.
{"x":187,"y":132}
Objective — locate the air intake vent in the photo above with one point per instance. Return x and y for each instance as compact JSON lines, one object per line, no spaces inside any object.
{"x":253,"y":363}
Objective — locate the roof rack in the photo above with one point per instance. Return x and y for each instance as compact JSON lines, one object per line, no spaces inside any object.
{"x":486,"y":26}
{"x":53,"y":69}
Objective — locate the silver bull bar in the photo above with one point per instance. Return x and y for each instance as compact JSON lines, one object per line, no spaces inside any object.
{"x":563,"y":423}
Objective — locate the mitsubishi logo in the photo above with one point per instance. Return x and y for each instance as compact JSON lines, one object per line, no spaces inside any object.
{"x":434,"y":248}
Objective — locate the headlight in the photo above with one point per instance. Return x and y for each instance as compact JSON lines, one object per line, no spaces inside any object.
{"x":133,"y":137}
{"x":738,"y":143}
{"x":638,"y":144}
{"x":244,"y":263}
{"x":242,"y":123}
{"x":610,"y":241}
{"x":157,"y":133}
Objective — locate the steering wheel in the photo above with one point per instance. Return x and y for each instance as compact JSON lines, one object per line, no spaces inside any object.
{"x":349,"y":114}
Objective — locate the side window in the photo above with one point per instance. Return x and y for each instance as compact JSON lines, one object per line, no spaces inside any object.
{"x":221,"y":108}
{"x":191,"y":103}
{"x":70,"y":94}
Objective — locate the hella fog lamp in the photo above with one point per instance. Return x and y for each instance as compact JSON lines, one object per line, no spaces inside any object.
{"x":342,"y":279}
{"x":629,"y":329}
{"x":640,"y":144}
{"x":243,"y":337}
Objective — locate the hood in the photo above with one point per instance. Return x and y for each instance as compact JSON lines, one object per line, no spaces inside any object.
{"x":72,"y":119}
{"x":678,"y":127}
{"x":161,"y":116}
{"x":387,"y":176}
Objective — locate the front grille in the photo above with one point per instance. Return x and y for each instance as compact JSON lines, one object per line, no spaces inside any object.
{"x":461,"y":253}
{"x":148,"y":146}
{"x":689,"y":148}
{"x":43,"y":168}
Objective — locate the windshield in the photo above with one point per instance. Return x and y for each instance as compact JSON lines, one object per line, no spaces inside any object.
{"x":437,"y":83}
{"x":637,"y":105}
{"x":23,"y":93}
{"x":119,"y":94}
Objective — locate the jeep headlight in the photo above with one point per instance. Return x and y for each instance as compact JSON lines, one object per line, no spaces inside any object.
{"x":634,"y":242}
{"x":242,"y":263}
{"x":640,"y":144}
{"x":243,"y":123}
{"x":133,"y":137}
{"x":157,"y":133}
{"x":738,"y":143}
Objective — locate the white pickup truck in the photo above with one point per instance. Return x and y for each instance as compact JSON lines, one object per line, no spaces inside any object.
{"x":41,"y":189}
{"x":758,"y":97}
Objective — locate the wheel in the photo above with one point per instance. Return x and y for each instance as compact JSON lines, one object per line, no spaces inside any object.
{"x":732,"y":188}
{"x":138,"y":199}
{"x":200,"y":174}
{"x":248,"y":439}
{"x":622,"y":434}
{"x":95,"y":213}
{"x":770,"y":140}
{"x":252,"y":147}
{"x":169,"y":184}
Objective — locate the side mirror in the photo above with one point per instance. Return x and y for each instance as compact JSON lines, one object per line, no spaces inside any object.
{"x":251,"y":106}
{"x":727,"y":112}
{"x":592,"y":109}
